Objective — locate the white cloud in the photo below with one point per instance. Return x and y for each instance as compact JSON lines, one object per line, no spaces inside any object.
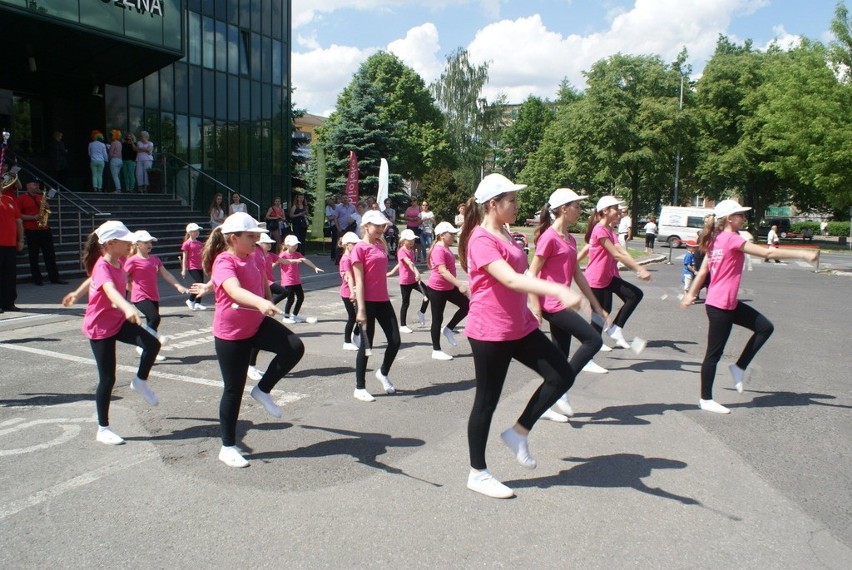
{"x":319,"y":76}
{"x":783,"y":39}
{"x":419,"y":51}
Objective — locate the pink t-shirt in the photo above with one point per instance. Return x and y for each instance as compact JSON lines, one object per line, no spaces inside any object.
{"x":264,"y":260}
{"x":193,"y":248}
{"x":102,"y":320}
{"x":496,"y":312}
{"x":291,"y":272}
{"x":560,"y":260}
{"x":230,"y":323}
{"x":441,"y":255}
{"x":374,"y":260}
{"x":345,"y":267}
{"x":143,"y":273}
{"x":602,"y":267}
{"x":406,"y":275}
{"x":725,"y":258}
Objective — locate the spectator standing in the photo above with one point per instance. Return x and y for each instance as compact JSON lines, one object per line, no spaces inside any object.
{"x":344,"y":212}
{"x":39,"y":239}
{"x":772,"y":241}
{"x":331,"y":224}
{"x":57,"y":158}
{"x":412,"y":219}
{"x":299,"y":220}
{"x":144,"y":161}
{"x":11,"y":242}
{"x":427,"y":228}
{"x":217,"y":211}
{"x":98,"y":157}
{"x":823,"y":227}
{"x":235,"y":205}
{"x":625,"y":227}
{"x":650,"y":234}
{"x":459,"y":221}
{"x":389,"y":212}
{"x":128,"y":162}
{"x":276,"y":222}
{"x":115,"y":160}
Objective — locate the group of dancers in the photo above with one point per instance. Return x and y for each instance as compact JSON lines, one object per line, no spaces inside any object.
{"x":505,"y":300}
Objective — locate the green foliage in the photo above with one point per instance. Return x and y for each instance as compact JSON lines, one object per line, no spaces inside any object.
{"x":442,"y":191}
{"x":799,"y":227}
{"x":841,"y":47}
{"x":522,"y":138}
{"x":838,"y":229}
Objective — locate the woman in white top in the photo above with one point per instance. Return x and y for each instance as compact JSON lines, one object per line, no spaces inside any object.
{"x":236,"y":205}
{"x":427,"y":225}
{"x":650,"y":234}
{"x":217,"y":212}
{"x":144,"y":160}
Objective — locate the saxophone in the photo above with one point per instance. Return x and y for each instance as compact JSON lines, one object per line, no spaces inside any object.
{"x":43,"y":213}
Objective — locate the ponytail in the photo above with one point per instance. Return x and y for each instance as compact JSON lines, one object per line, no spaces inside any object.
{"x":214,"y":245}
{"x":544,"y":222}
{"x":91,"y":253}
{"x":429,"y":253}
{"x":472,"y":218}
{"x":712,"y":227}
{"x":593,"y":220}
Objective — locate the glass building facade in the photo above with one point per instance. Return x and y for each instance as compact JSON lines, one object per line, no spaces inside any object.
{"x":218,"y":95}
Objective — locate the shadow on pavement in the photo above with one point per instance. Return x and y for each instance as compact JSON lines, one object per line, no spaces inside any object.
{"x":644,"y":365}
{"x":627,"y":415}
{"x":440,"y":389}
{"x":672,"y":344}
{"x":769,"y":399}
{"x":51,"y":399}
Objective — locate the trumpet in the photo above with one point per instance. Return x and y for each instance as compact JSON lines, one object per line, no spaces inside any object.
{"x":43,"y":212}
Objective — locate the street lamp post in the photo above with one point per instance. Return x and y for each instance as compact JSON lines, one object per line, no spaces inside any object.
{"x":677,"y":157}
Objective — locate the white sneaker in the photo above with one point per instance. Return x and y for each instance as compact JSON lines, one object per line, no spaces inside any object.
{"x":144,"y":390}
{"x":405,"y":329}
{"x":594,"y":368}
{"x":199,"y":307}
{"x":255,"y":373}
{"x":298,"y":319}
{"x":554,"y":417}
{"x":363,"y":395}
{"x":190,"y":304}
{"x":160,"y":358}
{"x":266,"y":400}
{"x":738,"y":374}
{"x":106,"y":435}
{"x":485,"y":483}
{"x":564,"y":406}
{"x":713,"y":406}
{"x":450,"y":336}
{"x":287,"y":320}
{"x":440,"y":355}
{"x":519,"y":445}
{"x":139,"y":350}
{"x":231,"y":457}
{"x":386,"y":383}
{"x":421,"y":319}
{"x":616,"y":334}
{"x":605,"y":348}
{"x":349,"y":346}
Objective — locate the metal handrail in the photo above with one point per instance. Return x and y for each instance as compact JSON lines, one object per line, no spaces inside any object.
{"x":227,"y":188}
{"x":80,"y":204}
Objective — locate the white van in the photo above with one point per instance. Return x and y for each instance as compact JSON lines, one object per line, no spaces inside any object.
{"x":677,"y":224}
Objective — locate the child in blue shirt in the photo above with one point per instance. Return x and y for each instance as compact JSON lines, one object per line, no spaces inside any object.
{"x":689,"y":268}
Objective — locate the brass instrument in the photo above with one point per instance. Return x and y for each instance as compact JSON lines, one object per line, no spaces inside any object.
{"x":43,"y":212}
{"x":10,"y":178}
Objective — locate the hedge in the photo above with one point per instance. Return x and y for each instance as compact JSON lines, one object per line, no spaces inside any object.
{"x":838,"y":228}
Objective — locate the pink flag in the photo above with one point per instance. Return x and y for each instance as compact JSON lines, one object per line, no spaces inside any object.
{"x":352,"y":178}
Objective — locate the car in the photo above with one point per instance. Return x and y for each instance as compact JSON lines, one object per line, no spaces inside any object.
{"x":783,"y":227}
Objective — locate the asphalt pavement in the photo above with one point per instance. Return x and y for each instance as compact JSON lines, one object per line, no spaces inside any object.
{"x":639,"y":477}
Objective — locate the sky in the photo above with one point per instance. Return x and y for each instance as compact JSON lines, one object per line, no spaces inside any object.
{"x":530,"y":45}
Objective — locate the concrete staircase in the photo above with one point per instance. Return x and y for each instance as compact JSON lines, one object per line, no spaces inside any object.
{"x":163,"y":216}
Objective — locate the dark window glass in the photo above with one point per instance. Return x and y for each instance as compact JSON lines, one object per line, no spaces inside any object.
{"x":256,"y":14}
{"x":266,"y":47}
{"x":233,"y":50}
{"x":115,"y":102}
{"x":207,"y":7}
{"x":172,"y":36}
{"x":195,"y":89}
{"x":208,"y":144}
{"x":182,"y":137}
{"x":181,"y":88}
{"x":245,"y":100}
{"x":221,"y":96}
{"x":152,"y":90}
{"x":255,"y":59}
{"x":233,"y":11}
{"x":195,"y":142}
{"x":221,"y":46}
{"x":233,"y":163}
{"x":208,"y":96}
{"x":256,"y":109}
{"x":266,"y":17}
{"x":194,"y":39}
{"x":103,"y":17}
{"x":167,"y":133}
{"x":221,"y":152}
{"x":277,"y":19}
{"x":245,"y":52}
{"x":167,"y":88}
{"x":134,"y":93}
{"x":208,"y":42}
{"x":134,"y":120}
{"x":221,"y":9}
{"x":194,"y":5}
{"x":233,"y":98}
{"x":266,"y":101}
{"x":277,"y":63}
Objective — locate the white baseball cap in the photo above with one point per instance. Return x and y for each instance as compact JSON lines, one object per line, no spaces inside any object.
{"x":291,"y":240}
{"x":374,"y":217}
{"x":445,"y":227}
{"x":349,"y":237}
{"x":407,"y":234}
{"x":114,"y":230}
{"x":562,"y":196}
{"x":192,"y":227}
{"x":241,"y":222}
{"x":607,"y":201}
{"x":143,"y":235}
{"x":264,"y":238}
{"x":728,"y":207}
{"x":493,"y":185}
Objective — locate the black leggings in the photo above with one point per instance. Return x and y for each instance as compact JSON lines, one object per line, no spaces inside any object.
{"x":406,"y":290}
{"x":720,"y":324}
{"x":381,"y":311}
{"x":491,"y":361}
{"x":293,"y":293}
{"x":151,"y":310}
{"x":566,"y":324}
{"x":104,"y":351}
{"x":197,"y":277}
{"x":350,"y":320}
{"x":630,"y":295}
{"x":233,"y":355}
{"x":439,"y":302}
{"x":649,"y":240}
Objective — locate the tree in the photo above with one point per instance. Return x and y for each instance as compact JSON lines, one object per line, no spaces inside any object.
{"x":522,"y":138}
{"x":841,"y":48}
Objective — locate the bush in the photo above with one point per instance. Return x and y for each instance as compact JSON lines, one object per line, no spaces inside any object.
{"x":800,"y":227}
{"x":838,"y":228}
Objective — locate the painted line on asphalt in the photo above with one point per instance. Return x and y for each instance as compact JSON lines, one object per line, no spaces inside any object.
{"x":281,"y":397}
{"x":74,"y":483}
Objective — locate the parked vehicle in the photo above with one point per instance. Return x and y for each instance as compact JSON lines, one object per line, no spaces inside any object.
{"x":782,"y":223}
{"x":678,"y":224}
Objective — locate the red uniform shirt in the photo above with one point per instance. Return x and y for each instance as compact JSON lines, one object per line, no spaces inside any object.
{"x":29,"y":206}
{"x":9,"y":214}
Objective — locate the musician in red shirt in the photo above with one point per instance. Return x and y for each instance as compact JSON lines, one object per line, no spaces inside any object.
{"x":11,"y":242}
{"x":38,"y":239}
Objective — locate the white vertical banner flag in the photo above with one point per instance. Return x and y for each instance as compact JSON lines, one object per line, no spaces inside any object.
{"x":383,"y":183}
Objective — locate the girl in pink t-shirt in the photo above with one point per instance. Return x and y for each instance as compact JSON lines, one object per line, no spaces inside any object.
{"x":190,"y":262}
{"x":409,"y":279}
{"x":290,"y":261}
{"x":602,"y":269}
{"x":369,"y":267}
{"x":443,"y":287}
{"x":142,"y":270}
{"x":725,"y":251}
{"x":110,"y":318}
{"x":556,"y":261}
{"x":234,"y":273}
{"x":347,"y":291}
{"x":500,"y":327}
{"x":266,"y":260}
